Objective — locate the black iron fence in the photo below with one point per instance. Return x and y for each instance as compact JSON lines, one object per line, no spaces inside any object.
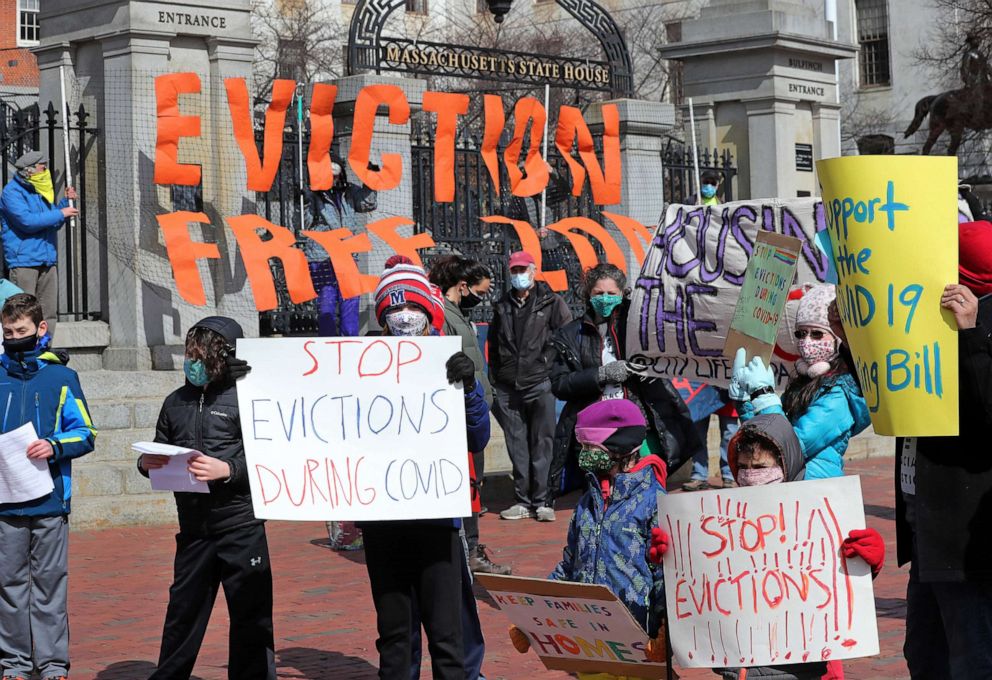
{"x":23,"y":130}
{"x":680,"y":174}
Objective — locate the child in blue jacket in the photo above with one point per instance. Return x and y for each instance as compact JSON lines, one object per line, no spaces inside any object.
{"x":823,"y":402}
{"x":613,"y":536}
{"x":36,"y":388}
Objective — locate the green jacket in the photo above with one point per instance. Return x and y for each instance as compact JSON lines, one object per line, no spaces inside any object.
{"x":455,"y":323}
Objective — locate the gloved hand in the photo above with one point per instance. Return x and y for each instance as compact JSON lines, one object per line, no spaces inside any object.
{"x":519,"y":640}
{"x":868,"y":545}
{"x":461,"y":368}
{"x":738,"y":390}
{"x":659,"y":545}
{"x":755,"y":376}
{"x":236,"y":368}
{"x":614,"y":372}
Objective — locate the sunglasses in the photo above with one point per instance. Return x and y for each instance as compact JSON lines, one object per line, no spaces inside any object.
{"x":801,"y":334}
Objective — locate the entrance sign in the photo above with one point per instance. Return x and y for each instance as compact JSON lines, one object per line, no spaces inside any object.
{"x":574,"y":627}
{"x":894,"y":232}
{"x":684,"y":298}
{"x":353,"y":429}
{"x":755,"y":576}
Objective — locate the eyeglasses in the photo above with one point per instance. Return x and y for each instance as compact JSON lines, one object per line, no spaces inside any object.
{"x":801,"y":334}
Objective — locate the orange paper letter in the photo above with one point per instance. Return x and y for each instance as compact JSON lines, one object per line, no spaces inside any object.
{"x":401,"y":245}
{"x":321,"y":136}
{"x":172,"y":126}
{"x":448,"y":106}
{"x":583,"y":248}
{"x":366,"y":106}
{"x":527,"y":110}
{"x":605,"y":184}
{"x":184,"y":252}
{"x":637,"y":234}
{"x":260,"y":176}
{"x":529,"y":242}
{"x":256,"y":254}
{"x":340,"y":244}
{"x":495,"y":120}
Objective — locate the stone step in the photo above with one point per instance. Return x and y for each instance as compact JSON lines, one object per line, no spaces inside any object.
{"x":124,"y":385}
{"x":98,"y":512}
{"x":114,"y":446}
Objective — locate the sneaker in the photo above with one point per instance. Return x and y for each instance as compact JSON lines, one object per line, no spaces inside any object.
{"x":545,"y":514}
{"x":14,"y":677}
{"x":484,"y":510}
{"x":479,"y":562}
{"x":518,"y":511}
{"x":729,"y":483}
{"x":696,"y":485}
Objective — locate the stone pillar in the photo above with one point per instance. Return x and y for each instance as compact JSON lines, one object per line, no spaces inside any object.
{"x":386,"y":138}
{"x":771,"y":138}
{"x":643,"y":126}
{"x":117,"y":49}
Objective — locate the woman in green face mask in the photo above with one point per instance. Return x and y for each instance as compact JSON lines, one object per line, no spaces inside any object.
{"x":590,"y":364}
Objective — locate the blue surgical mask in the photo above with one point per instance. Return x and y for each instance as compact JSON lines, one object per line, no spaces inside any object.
{"x":520,"y":281}
{"x":708,"y":190}
{"x":605,"y":304}
{"x":196,"y":372}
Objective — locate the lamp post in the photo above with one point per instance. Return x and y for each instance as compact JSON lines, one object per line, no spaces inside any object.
{"x":499,"y":8}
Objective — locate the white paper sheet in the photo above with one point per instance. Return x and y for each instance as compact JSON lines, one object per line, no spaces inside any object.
{"x":21,"y":478}
{"x":174,"y":476}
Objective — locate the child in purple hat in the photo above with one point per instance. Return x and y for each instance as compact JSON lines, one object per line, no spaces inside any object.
{"x":617,"y":515}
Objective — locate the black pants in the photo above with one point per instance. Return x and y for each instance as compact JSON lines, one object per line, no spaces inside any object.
{"x":239,"y":560}
{"x":471,"y":523}
{"x":410,"y":561}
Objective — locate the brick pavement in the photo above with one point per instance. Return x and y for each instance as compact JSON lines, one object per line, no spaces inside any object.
{"x":324,"y":621}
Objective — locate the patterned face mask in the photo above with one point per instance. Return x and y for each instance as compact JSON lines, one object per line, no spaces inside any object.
{"x":594,"y":460}
{"x":816,"y":354}
{"x":196,"y":372}
{"x":760,"y":476}
{"x":406,"y":322}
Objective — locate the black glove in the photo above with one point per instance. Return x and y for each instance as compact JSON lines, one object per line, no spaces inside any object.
{"x":461,"y":369}
{"x":236,"y":368}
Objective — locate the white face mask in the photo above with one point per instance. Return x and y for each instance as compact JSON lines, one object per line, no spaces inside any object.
{"x":406,"y":322}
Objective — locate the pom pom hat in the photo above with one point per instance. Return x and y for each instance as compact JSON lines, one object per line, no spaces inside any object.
{"x":405,"y":283}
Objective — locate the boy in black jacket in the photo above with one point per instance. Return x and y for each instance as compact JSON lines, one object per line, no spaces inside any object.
{"x":219,"y":541}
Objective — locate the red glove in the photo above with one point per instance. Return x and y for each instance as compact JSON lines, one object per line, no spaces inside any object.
{"x":659,"y":545}
{"x":868,"y":545}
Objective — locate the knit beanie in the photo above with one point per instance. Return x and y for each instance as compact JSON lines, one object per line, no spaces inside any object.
{"x":975,"y":256}
{"x":818,"y":309}
{"x":615,"y":424}
{"x":405,"y":283}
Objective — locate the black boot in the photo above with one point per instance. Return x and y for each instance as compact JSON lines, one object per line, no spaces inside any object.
{"x":479,"y":562}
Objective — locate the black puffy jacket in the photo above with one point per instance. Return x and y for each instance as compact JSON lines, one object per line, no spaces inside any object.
{"x":575,"y":380}
{"x":208,"y":421}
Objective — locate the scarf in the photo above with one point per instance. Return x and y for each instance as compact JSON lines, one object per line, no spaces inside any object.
{"x":42,"y":183}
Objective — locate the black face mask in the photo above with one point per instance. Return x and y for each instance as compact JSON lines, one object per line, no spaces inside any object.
{"x":470,"y":300}
{"x":15,"y":346}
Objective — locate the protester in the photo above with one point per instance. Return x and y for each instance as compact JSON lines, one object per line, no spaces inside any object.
{"x":335,"y":208}
{"x":943,"y":492}
{"x":709,"y":187}
{"x":520,"y":355}
{"x":220,"y":541}
{"x":823,"y":402}
{"x":418,"y":569}
{"x":766,"y":451}
{"x":34,"y":534}
{"x":589,"y":366}
{"x":29,"y":223}
{"x":615,"y":524}
{"x":727,"y":419}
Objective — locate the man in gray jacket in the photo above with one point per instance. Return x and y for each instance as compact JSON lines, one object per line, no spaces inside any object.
{"x":524,"y":321}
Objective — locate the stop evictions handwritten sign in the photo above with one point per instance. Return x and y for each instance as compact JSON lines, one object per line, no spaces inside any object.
{"x":353,"y":429}
{"x":755,"y":576}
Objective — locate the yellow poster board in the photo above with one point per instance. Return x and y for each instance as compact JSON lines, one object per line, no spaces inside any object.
{"x":892,"y":222}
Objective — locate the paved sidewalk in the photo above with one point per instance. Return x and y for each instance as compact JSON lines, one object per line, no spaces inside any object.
{"x":324,"y":621}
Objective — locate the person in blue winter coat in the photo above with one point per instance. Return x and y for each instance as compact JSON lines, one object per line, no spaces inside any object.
{"x":36,"y":389}
{"x":612,"y":538}
{"x":823,"y":402}
{"x":30,"y":219}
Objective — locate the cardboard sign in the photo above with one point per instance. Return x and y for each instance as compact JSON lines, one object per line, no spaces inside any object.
{"x":894,"y":233}
{"x":684,"y":298}
{"x":353,"y":429}
{"x":763,"y":296}
{"x":574,"y":627}
{"x":755,"y":576}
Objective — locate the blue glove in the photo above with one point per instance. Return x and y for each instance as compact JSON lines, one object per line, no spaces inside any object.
{"x":756,"y":375}
{"x":766,"y":401}
{"x":737,"y":389}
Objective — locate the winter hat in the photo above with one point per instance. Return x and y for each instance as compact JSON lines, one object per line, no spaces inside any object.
{"x":226,"y":327}
{"x":615,"y":424}
{"x":402,"y":283}
{"x":818,"y":309}
{"x":975,"y":256}
{"x":30,"y":158}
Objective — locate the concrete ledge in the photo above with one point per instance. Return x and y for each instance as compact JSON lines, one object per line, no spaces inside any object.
{"x":77,"y":334}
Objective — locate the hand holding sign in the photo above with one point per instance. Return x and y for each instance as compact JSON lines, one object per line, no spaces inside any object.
{"x":962,"y":303}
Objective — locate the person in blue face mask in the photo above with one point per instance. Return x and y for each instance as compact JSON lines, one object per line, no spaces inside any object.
{"x":220,"y":541}
{"x":590,"y":365}
{"x":709,"y":188}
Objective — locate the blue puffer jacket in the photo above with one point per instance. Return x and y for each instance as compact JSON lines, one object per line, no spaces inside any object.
{"x":608,"y":542}
{"x":40,"y":390}
{"x":29,"y":225}
{"x":838,"y":413}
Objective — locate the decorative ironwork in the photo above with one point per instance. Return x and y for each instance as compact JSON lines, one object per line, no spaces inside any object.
{"x":368,"y":50}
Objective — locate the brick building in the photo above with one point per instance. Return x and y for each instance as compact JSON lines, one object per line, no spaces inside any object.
{"x":18,"y":66}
